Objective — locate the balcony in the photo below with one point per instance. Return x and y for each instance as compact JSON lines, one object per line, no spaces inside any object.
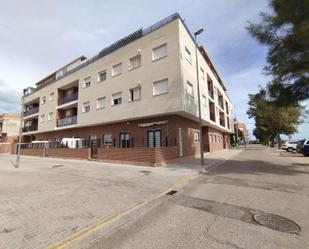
{"x":222,"y":123}
{"x":212,"y":116}
{"x":33,"y":127}
{"x":68,"y":98}
{"x":31,"y":111}
{"x":70,"y":120}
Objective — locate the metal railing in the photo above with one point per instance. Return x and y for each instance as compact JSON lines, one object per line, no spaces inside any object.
{"x":70,"y":120}
{"x":31,"y":111}
{"x":68,"y":98}
{"x":33,"y":127}
{"x":120,"y":43}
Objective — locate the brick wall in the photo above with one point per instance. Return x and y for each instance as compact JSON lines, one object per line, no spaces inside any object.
{"x":32,"y":152}
{"x":5,"y":147}
{"x":139,"y":156}
{"x":81,"y":153}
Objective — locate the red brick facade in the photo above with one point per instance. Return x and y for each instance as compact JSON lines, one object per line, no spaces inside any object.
{"x":138,"y":151}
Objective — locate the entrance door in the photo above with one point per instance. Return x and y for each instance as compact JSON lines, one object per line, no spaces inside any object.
{"x":94,"y":146}
{"x":154,"y":138}
{"x":124,"y":140}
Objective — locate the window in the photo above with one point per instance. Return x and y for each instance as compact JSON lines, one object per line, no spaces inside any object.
{"x":50,"y":116}
{"x":102,"y":76}
{"x":204,"y":100}
{"x":52,"y":97}
{"x":188,"y":55}
{"x":154,"y":138}
{"x":116,"y":99}
{"x":42,"y":118}
{"x":108,"y":139}
{"x":101,"y":103}
{"x":202,"y":73}
{"x":135,"y":62}
{"x":135,"y":94}
{"x":43,"y":100}
{"x":159,"y":52}
{"x":196,"y":137}
{"x":87,"y":82}
{"x":189,"y":89}
{"x":86,"y":106}
{"x":117,"y":69}
{"x":160,"y":87}
{"x":124,"y":140}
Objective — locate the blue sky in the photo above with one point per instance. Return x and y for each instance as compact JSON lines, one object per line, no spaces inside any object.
{"x":36,"y":38}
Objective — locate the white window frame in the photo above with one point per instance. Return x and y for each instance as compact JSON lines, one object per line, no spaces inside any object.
{"x":196,"y":136}
{"x":42,"y":118}
{"x":113,"y":69}
{"x":87,"y":80}
{"x":188,"y":55}
{"x":113,"y":98}
{"x":50,"y":116}
{"x":108,"y":141}
{"x":163,"y":46}
{"x":51,"y":97}
{"x":190,"y":86}
{"x":98,"y":101}
{"x":158,"y":82}
{"x":86,"y":104}
{"x":140,"y":94}
{"x":138,"y":58}
{"x":99,"y":75}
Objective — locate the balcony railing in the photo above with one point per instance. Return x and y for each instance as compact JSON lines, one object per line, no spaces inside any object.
{"x":68,"y":98}
{"x":33,"y":127}
{"x":31,"y":111}
{"x":211,"y":93}
{"x":70,"y":120}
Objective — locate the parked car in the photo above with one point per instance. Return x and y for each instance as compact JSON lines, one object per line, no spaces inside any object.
{"x":73,"y":143}
{"x":300,"y":145}
{"x":305,"y":148}
{"x":290,"y":146}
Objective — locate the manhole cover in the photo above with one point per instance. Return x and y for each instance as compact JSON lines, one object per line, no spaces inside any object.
{"x":277,"y":222}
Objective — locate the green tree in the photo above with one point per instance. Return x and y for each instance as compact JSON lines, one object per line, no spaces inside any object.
{"x":272,"y":120}
{"x":286,"y":33}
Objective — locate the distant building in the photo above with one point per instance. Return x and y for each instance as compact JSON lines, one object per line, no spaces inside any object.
{"x":9,"y":128}
{"x":140,"y":92}
{"x":243,"y":128}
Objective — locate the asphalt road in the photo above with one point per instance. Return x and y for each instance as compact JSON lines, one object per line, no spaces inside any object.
{"x":215,"y":210}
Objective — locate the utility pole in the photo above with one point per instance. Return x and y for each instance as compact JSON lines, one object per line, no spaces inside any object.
{"x":20,"y":134}
{"x":199,"y":98}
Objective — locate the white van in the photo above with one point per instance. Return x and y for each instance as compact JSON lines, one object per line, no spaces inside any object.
{"x":73,"y":143}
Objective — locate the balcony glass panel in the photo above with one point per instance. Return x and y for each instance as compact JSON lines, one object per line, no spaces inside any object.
{"x":31,"y":111}
{"x":68,"y":98}
{"x":70,"y":120}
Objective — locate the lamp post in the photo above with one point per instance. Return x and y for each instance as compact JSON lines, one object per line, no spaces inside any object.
{"x":20,"y":133}
{"x":198,"y":32}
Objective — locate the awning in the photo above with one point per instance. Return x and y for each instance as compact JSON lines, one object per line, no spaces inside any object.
{"x":152,"y":123}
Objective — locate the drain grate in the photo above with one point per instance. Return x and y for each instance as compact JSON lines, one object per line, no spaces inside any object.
{"x":58,"y":165}
{"x":172,"y":192}
{"x":277,"y":223}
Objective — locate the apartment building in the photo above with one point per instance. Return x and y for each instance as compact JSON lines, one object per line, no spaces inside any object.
{"x":9,"y":127}
{"x":139,"y":92}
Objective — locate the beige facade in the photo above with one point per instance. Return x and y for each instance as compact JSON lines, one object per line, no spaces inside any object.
{"x":9,"y":127}
{"x":154,"y":75}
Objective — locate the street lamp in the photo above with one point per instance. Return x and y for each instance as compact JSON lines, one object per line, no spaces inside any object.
{"x":198,"y":32}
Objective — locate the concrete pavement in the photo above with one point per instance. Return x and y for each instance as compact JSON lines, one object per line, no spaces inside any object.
{"x":57,"y":203}
{"x":212,"y":211}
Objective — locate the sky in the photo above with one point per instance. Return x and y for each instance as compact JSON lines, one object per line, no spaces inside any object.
{"x":37,"y":37}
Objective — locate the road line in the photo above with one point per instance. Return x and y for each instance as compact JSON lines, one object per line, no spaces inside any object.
{"x":114,"y":217}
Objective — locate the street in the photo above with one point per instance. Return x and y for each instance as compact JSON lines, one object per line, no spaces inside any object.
{"x":210,"y":212}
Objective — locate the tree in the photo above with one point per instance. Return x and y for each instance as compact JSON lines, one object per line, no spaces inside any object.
{"x":286,"y":33}
{"x":272,"y":120}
